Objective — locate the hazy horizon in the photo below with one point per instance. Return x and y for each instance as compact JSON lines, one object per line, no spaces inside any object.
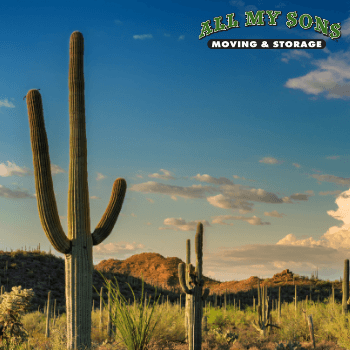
{"x":250,"y":142}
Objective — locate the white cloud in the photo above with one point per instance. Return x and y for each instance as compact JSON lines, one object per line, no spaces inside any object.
{"x":254,"y":220}
{"x":332,"y":77}
{"x":274,"y":214}
{"x":331,"y":178}
{"x":143,"y":36}
{"x":13,"y":170}
{"x":6,"y":103}
{"x":213,"y":180}
{"x":182,"y":225}
{"x":226,"y":202}
{"x":294,"y":55}
{"x":269,"y":160}
{"x":181,"y":37}
{"x":55,"y":169}
{"x":194,"y":191}
{"x":296,"y":165}
{"x":15,"y":194}
{"x":113,"y":250}
{"x":100,"y":177}
{"x":165,"y":176}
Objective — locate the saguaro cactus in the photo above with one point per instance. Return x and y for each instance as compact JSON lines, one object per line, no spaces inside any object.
{"x":345,"y":287}
{"x":189,"y":297}
{"x":195,"y":319}
{"x":77,"y":247}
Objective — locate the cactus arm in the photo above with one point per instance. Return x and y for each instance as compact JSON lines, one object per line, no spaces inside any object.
{"x":205,"y":294}
{"x":109,"y":218}
{"x":46,"y":201}
{"x":198,"y":244}
{"x":182,"y":279}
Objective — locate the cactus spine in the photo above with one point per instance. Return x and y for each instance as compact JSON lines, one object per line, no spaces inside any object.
{"x":77,"y":245}
{"x":195,"y":318}
{"x":346,"y":286}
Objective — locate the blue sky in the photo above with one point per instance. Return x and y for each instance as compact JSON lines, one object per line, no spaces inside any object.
{"x":253,"y":143}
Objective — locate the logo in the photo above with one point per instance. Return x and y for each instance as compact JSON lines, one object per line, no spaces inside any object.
{"x":305,"y":21}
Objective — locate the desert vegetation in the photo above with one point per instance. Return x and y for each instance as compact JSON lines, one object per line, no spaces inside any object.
{"x":229,"y":319}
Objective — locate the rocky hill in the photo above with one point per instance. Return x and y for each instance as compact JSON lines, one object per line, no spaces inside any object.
{"x":42,"y":272}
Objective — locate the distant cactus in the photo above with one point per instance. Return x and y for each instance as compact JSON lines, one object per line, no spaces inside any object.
{"x":77,"y":245}
{"x":345,"y":287}
{"x":195,"y":319}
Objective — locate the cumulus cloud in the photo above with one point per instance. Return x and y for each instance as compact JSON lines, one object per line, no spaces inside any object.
{"x":274,"y":214}
{"x":181,"y":37}
{"x":254,"y":220}
{"x":11,"y":169}
{"x":14,"y":194}
{"x":182,"y":225}
{"x":213,"y":180}
{"x":331,"y":178}
{"x":332,"y":77}
{"x":269,"y":160}
{"x":296,"y":165}
{"x":194,"y":191}
{"x":143,"y":36}
{"x":336,"y":237}
{"x":165,"y":176}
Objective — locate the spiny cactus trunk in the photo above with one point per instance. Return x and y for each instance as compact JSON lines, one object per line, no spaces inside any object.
{"x":345,"y":287}
{"x":195,"y":316}
{"x":78,"y":265}
{"x":77,"y":247}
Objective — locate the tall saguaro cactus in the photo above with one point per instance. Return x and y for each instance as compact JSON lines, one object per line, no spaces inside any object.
{"x":189,"y":298}
{"x":77,"y":245}
{"x":345,"y":287}
{"x":195,"y":319}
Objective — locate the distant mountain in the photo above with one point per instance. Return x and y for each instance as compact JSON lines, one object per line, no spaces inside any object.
{"x":44,"y":272}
